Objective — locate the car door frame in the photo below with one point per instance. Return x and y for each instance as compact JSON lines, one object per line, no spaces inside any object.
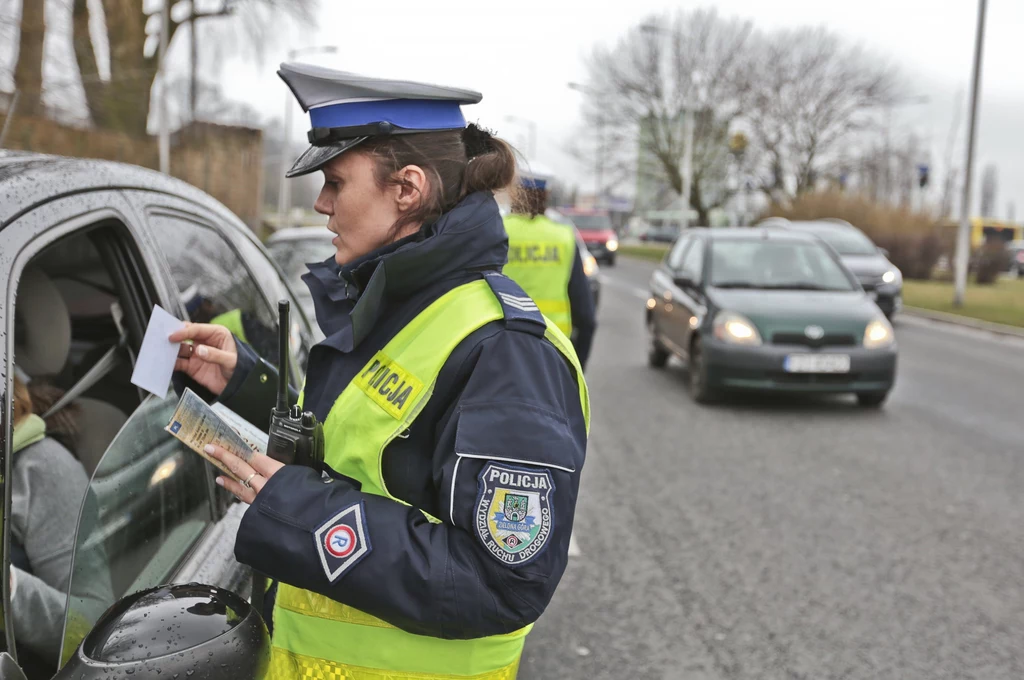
{"x":179,"y":207}
{"x":26,"y":236}
{"x":664,"y":294}
{"x":691,"y":300}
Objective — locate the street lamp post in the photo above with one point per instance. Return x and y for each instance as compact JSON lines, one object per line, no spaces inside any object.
{"x":688,"y":133}
{"x":599,"y":152}
{"x":164,"y":141}
{"x":284,"y":195}
{"x":532,"y":125}
{"x":963,"y":242}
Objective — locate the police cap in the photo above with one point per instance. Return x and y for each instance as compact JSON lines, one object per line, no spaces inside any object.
{"x":346,"y":109}
{"x":535,"y":176}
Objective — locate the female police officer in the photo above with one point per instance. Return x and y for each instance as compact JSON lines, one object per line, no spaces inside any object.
{"x":455,"y":416}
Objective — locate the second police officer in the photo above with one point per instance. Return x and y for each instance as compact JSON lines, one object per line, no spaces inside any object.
{"x":455,"y":416}
{"x":544,"y":259}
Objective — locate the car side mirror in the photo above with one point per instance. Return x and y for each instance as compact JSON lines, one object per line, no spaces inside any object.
{"x":684,"y":281}
{"x":884,"y":252}
{"x":174,"y":631}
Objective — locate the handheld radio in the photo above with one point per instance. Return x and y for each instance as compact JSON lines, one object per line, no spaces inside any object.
{"x":295,"y":435}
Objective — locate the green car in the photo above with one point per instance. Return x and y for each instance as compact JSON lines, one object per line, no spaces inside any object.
{"x":767,"y":310}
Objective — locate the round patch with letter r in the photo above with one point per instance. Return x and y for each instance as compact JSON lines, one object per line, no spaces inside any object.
{"x":340,"y":541}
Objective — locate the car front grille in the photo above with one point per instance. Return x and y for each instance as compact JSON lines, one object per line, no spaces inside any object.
{"x":829,"y":340}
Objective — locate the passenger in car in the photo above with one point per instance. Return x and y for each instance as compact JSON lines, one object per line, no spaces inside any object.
{"x":47,"y":488}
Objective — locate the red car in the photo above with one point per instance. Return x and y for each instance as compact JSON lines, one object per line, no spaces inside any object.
{"x":598,"y":233}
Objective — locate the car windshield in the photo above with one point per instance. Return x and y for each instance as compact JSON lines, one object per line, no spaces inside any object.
{"x":775,"y":264}
{"x":592,"y":222}
{"x":848,"y":241}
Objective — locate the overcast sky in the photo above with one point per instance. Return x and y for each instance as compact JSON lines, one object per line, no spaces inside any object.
{"x":522,"y":55}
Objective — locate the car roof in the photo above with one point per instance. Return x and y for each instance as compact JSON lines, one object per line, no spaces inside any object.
{"x":28,"y":179}
{"x":821,"y":225}
{"x":300,"y":234}
{"x":751,"y":233}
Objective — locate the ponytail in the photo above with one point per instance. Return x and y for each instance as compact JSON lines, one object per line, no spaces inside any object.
{"x":492,"y":162}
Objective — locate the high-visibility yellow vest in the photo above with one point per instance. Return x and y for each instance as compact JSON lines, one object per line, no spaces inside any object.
{"x":316,"y":637}
{"x":232,"y":320}
{"x":540,"y":257}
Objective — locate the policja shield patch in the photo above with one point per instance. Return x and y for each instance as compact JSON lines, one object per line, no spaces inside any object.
{"x":513,"y":512}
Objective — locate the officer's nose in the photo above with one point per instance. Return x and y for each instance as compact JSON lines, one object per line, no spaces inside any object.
{"x":323,"y":204}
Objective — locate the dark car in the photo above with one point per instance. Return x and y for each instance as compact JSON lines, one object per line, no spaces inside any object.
{"x":882,"y":280}
{"x":659,"y":235}
{"x":1015,"y":250}
{"x":88,"y":249}
{"x":768,"y":310}
{"x":598,"y":232}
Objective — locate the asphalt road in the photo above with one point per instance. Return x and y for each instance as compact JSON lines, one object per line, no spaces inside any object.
{"x":795,"y":538}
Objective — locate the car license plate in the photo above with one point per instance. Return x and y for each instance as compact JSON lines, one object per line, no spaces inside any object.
{"x":817,"y":363}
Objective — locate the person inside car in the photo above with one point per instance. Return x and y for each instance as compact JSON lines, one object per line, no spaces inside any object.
{"x":47,"y":487}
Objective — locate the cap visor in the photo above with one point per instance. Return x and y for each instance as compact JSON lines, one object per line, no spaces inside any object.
{"x":316,"y":157}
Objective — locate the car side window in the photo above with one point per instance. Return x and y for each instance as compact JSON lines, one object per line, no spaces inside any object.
{"x":214,"y":283}
{"x":693,"y":262}
{"x":300,"y":341}
{"x":148,"y":502}
{"x":675,"y":258}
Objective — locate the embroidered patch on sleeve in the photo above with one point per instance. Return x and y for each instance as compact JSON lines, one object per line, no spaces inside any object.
{"x":342,"y":541}
{"x":513,"y":512}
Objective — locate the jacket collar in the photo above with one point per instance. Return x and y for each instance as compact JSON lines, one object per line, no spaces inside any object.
{"x":349,"y":299}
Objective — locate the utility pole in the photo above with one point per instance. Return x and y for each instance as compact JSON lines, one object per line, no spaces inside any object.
{"x":688,"y":125}
{"x":165,"y":136}
{"x":284,"y":195}
{"x":963,"y":241}
{"x":193,"y":59}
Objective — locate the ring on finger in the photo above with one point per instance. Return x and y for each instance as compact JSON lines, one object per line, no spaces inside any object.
{"x":245,"y":482}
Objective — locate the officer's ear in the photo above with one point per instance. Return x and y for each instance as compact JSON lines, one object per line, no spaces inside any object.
{"x":411,"y":186}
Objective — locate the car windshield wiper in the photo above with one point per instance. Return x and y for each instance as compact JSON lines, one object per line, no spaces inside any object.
{"x":735,"y":284}
{"x":799,"y":286}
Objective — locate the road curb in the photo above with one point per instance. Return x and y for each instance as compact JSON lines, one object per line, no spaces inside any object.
{"x":967,"y":322}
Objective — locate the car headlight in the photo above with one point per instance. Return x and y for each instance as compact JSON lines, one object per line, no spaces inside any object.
{"x":892,"y":276}
{"x":612,"y":244}
{"x":589,"y":266}
{"x":878,"y":334}
{"x":736,"y":329}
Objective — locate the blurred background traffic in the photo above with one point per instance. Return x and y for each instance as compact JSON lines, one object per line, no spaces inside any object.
{"x":780,"y":205}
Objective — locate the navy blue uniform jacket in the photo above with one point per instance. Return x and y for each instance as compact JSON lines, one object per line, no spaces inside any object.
{"x":505,"y":396}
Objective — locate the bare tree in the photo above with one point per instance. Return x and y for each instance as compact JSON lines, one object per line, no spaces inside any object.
{"x":28,"y":70}
{"x":640,"y":91}
{"x":810,"y":92}
{"x":949,"y":183}
{"x":122,"y":100}
{"x":989,"y":190}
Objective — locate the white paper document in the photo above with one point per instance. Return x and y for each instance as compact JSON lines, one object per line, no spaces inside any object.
{"x":155,"y":364}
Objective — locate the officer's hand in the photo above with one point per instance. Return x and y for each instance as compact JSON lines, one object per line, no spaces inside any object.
{"x":211,"y":358}
{"x":253,"y":475}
